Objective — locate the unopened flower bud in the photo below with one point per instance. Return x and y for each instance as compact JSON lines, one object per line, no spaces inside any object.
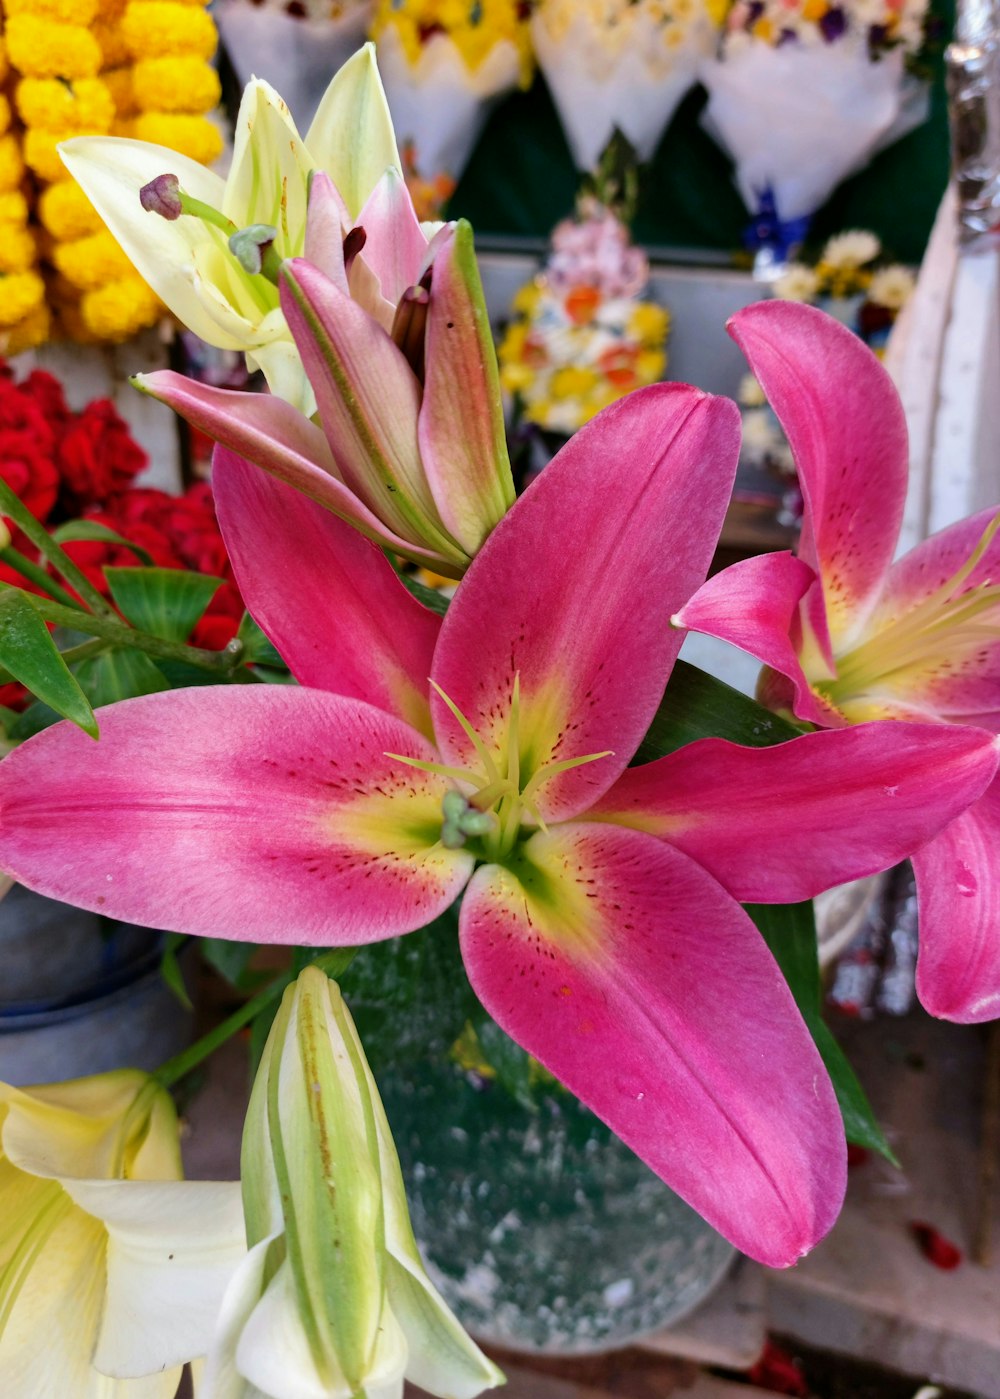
{"x":162,"y":196}
{"x":332,"y":1298}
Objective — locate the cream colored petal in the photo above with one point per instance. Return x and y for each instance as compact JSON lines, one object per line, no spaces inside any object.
{"x":219,"y":1378}
{"x":47,"y":1342}
{"x":273,"y":1351}
{"x":268,"y":179}
{"x":351,"y":136}
{"x":75,"y":1128}
{"x":443,"y":1358}
{"x":173,"y":1247}
{"x":285,"y":376}
{"x":111,"y":171}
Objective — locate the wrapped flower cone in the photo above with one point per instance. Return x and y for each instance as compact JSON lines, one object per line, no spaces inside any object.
{"x":440,"y":94}
{"x":296,"y":45}
{"x":619,"y":66}
{"x":804,"y":96}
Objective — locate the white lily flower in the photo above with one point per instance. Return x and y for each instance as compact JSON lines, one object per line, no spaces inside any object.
{"x":187,"y":259}
{"x":333,"y":1300}
{"x":112,"y":1268}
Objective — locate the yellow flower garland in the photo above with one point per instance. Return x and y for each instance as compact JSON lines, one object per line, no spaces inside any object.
{"x":84,"y":67}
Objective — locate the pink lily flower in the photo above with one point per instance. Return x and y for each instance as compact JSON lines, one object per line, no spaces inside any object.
{"x":848,"y":635}
{"x":393,"y":334}
{"x":601,"y":928}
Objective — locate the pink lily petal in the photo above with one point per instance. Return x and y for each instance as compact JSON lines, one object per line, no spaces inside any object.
{"x":266,"y":813}
{"x":754,"y":604}
{"x":959,"y":678}
{"x":329,"y":600}
{"x":326,"y":223}
{"x":396,"y":244}
{"x":776,"y":825}
{"x":958,"y":900}
{"x":573,"y":590}
{"x":273,"y":435}
{"x":631,"y":975}
{"x":844,"y":421}
{"x":463,"y":443}
{"x":368,"y":399}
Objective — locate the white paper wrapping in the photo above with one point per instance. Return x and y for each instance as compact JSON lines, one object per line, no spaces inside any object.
{"x":800,"y":120}
{"x":298,"y":57}
{"x":439,"y":104}
{"x":634,"y":86}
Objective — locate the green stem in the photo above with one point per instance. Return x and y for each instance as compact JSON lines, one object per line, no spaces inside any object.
{"x":110,"y":629}
{"x":50,"y":549}
{"x":14,"y":559}
{"x":71,"y":655}
{"x":334,"y":963}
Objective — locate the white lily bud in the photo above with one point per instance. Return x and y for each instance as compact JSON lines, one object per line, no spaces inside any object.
{"x":333,"y":1301}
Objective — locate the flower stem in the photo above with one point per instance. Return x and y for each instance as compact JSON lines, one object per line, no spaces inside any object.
{"x":111,"y":629}
{"x":333,"y":963}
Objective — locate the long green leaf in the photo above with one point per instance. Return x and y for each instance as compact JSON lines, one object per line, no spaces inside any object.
{"x":257,"y":649}
{"x":119,"y":674}
{"x":696,"y":705}
{"x":28,"y":652}
{"x":790,"y":932}
{"x":167,"y":602}
{"x":75,"y":531}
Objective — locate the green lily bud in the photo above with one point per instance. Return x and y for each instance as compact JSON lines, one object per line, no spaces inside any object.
{"x":333,"y":1299}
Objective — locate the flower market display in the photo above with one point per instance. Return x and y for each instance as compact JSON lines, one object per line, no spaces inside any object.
{"x":621,"y":65}
{"x":583,"y":866}
{"x":583,"y":336}
{"x":802,"y":94}
{"x":444,"y":63}
{"x":137,"y":68}
{"x":293,"y":44}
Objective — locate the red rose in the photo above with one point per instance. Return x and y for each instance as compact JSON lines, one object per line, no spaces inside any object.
{"x":47,"y":392}
{"x":28,"y":471}
{"x":20,"y":413}
{"x":98,"y":456}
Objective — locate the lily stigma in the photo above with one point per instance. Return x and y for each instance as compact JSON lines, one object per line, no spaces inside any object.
{"x":496,"y":812}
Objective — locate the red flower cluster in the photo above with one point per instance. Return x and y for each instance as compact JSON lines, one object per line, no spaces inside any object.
{"x":177,"y":532}
{"x":57,"y":461}
{"x":67,"y":465}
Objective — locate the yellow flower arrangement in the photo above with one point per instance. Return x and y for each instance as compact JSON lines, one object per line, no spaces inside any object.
{"x":86,"y":67}
{"x":165,"y":28}
{"x":475,"y":26}
{"x":40,"y":47}
{"x":581,"y":336}
{"x":65,"y":105}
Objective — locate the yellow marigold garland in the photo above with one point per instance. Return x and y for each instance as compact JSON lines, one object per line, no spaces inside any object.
{"x":84,"y":67}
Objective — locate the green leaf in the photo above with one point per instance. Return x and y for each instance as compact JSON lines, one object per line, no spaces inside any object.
{"x":257,"y":649}
{"x":28,"y":652}
{"x":430,"y":597}
{"x":170,"y":968}
{"x":76,"y":530}
{"x":790,"y":932}
{"x":118,"y":674}
{"x":167,"y":602}
{"x":696,"y":705}
{"x":229,"y":959}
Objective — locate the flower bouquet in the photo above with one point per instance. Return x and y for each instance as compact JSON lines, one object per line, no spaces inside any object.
{"x":805,"y":92}
{"x":620,"y":65}
{"x":583,"y":336}
{"x":294,"y":44}
{"x":476,"y":752}
{"x":444,"y":65}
